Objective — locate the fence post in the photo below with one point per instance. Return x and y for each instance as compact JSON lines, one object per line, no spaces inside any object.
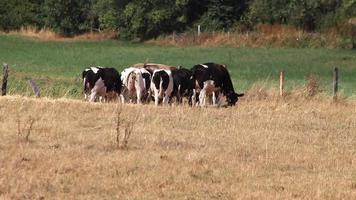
{"x":5,"y":70}
{"x":281,"y":83}
{"x":198,"y":30}
{"x":35,"y":88}
{"x":335,"y":82}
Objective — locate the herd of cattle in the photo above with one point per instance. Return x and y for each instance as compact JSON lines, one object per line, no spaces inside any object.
{"x":141,"y":83}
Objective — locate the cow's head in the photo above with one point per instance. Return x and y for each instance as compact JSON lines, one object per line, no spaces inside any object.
{"x":232,"y":98}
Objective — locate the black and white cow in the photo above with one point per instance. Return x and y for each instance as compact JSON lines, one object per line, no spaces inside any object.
{"x":183,"y":84}
{"x":162,"y":85}
{"x":146,"y":75}
{"x":102,"y":83}
{"x":214,"y":79}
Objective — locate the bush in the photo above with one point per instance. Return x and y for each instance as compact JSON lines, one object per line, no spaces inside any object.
{"x":69,"y":17}
{"x":18,"y":13}
{"x":107,"y":15}
{"x":150,"y":18}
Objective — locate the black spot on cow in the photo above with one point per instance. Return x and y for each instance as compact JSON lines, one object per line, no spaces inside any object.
{"x":111,"y":79}
{"x":158,"y":76}
{"x":147,"y":78}
{"x":183,"y":84}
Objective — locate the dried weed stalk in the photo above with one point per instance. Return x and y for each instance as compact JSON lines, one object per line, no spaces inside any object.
{"x":312,"y":86}
{"x":118,"y":120}
{"x":25,"y":131}
{"x":128,"y":127}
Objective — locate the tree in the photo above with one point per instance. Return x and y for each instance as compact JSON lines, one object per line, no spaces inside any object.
{"x":69,"y":17}
{"x":221,"y":15}
{"x":146,"y":19}
{"x":107,"y":14}
{"x":18,"y":13}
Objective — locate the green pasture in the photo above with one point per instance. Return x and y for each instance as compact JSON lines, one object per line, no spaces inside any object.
{"x":56,"y":66}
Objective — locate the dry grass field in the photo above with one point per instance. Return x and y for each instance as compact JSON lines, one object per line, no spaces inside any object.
{"x":264,"y":148}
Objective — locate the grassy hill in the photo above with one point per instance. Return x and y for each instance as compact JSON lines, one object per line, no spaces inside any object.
{"x":56,"y":66}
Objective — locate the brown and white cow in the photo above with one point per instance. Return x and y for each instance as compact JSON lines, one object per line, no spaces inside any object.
{"x":136,"y":83}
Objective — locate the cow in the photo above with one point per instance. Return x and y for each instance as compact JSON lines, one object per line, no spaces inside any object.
{"x":89,"y":77}
{"x":102,"y":83}
{"x":162,"y":85}
{"x":183,"y":85}
{"x":146,"y":75}
{"x":136,"y":84}
{"x":214,"y":79}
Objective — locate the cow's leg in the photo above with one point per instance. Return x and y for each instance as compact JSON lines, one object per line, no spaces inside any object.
{"x":178,"y":95}
{"x":139,"y":96}
{"x":116,"y":97}
{"x":190,"y":98}
{"x":194,"y":97}
{"x":214,"y":99}
{"x":202,"y":97}
{"x":178,"y":98}
{"x":92,"y":97}
{"x":156,"y":93}
{"x":122,"y":98}
{"x":149,"y":96}
{"x":220,"y":98}
{"x":165,"y":99}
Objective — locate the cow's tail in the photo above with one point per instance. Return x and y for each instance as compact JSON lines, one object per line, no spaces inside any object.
{"x":160,"y":93}
{"x":84,"y":80}
{"x":85,"y":85}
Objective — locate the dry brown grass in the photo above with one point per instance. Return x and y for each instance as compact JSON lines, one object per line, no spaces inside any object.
{"x":48,"y":35}
{"x":263,"y":36}
{"x":267,"y":148}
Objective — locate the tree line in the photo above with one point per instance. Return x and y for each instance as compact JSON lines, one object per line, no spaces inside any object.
{"x":146,"y":19}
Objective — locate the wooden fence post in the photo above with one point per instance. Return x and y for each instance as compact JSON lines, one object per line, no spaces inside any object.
{"x":35,"y":88}
{"x":198,"y":30}
{"x":281,"y":83}
{"x":335,"y":82}
{"x":5,"y":70}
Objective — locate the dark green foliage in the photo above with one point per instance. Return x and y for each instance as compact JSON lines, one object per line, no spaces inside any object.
{"x":221,"y":15}
{"x":17,"y":13}
{"x":145,"y":19}
{"x":69,"y":17}
{"x":106,"y":12}
{"x":310,"y":15}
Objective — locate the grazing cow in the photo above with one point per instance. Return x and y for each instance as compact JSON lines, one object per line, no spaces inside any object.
{"x":102,"y":83}
{"x":162,"y":85}
{"x":214,"y":79}
{"x":183,"y":84}
{"x":136,"y":84}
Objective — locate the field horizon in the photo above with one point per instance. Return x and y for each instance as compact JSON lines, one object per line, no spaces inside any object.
{"x":263,"y":148}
